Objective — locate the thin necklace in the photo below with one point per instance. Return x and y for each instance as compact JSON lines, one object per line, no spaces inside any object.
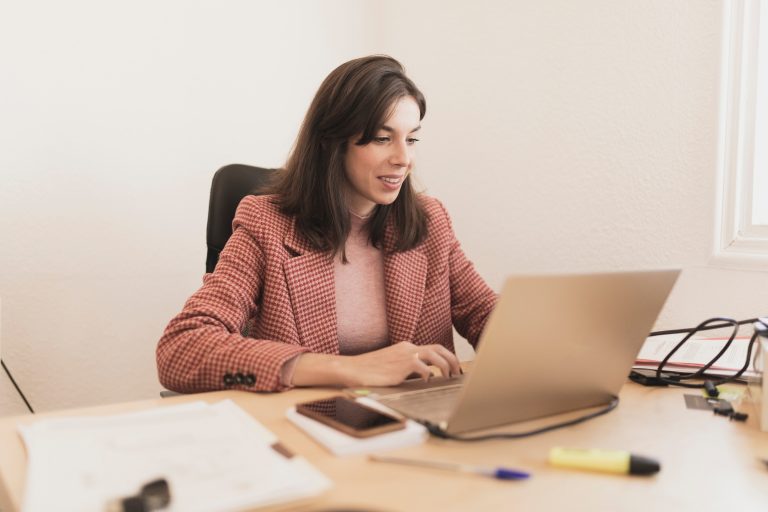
{"x":361,"y":217}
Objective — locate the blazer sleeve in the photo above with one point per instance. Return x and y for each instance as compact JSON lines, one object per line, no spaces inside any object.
{"x":202,"y":348}
{"x":472,"y":300}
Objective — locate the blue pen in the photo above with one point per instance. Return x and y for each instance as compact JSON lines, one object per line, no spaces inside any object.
{"x":498,"y":473}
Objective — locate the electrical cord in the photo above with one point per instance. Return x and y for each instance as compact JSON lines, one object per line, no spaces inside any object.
{"x":18,"y":389}
{"x":660,"y":379}
{"x":726,"y":322}
{"x":437,"y":431}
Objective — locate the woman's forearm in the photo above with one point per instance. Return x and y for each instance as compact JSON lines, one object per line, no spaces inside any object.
{"x":321,"y":370}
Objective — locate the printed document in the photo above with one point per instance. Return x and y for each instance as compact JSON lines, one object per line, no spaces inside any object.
{"x":214,"y":457}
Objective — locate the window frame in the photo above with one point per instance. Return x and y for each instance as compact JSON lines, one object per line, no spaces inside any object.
{"x":738,"y":241}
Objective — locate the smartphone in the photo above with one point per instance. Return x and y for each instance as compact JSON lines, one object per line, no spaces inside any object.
{"x":350,"y":417}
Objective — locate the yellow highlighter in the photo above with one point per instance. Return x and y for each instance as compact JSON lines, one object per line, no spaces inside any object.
{"x":603,"y":460}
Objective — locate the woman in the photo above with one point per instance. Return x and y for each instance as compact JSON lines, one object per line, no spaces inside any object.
{"x":345,"y":275}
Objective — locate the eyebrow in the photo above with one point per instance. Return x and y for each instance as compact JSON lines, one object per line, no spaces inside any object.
{"x":392,"y":130}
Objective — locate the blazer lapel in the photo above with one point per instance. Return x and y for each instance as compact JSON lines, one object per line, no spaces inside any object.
{"x":311,"y":286}
{"x":405,"y":275}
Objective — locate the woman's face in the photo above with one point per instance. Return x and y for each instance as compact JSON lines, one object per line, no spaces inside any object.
{"x":376,"y":171}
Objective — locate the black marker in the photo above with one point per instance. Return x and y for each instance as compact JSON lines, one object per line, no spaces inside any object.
{"x":152,"y":496}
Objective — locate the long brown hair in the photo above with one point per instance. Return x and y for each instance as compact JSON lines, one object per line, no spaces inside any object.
{"x":356,"y":98}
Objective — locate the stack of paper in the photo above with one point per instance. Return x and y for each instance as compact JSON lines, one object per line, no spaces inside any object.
{"x":695,"y":353}
{"x":214,"y":457}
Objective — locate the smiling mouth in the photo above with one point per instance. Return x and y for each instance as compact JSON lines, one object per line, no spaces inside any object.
{"x":392,"y":181}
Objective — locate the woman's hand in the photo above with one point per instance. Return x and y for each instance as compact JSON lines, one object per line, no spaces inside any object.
{"x":388,"y":366}
{"x":392,"y":365}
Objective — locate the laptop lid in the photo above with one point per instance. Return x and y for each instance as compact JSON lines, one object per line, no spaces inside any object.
{"x":556,"y":343}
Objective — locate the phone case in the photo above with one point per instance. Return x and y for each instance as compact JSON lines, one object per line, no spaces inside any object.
{"x":327,"y":420}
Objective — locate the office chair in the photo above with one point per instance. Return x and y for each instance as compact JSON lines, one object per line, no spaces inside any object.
{"x":230,"y":185}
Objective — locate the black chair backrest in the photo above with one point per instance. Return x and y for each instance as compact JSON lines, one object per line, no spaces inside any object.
{"x":230,"y":185}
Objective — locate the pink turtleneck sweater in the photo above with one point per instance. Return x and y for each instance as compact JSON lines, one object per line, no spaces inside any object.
{"x":361,"y":313}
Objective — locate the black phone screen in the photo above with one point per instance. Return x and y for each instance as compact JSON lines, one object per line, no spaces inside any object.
{"x":350,"y":413}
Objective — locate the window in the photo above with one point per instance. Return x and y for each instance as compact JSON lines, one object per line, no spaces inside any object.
{"x":760,"y":172}
{"x":743,"y":236}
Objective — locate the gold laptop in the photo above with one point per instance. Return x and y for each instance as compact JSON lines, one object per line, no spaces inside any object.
{"x":554,"y":343}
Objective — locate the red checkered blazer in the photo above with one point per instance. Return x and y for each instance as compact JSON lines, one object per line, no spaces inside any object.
{"x":268,"y":274}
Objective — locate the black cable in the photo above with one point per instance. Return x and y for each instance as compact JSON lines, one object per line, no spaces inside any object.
{"x":436,"y":431}
{"x":708,"y":328}
{"x":18,"y":389}
{"x":660,"y":379}
{"x":699,"y":373}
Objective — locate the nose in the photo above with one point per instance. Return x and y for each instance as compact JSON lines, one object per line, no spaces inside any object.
{"x":401,"y":155}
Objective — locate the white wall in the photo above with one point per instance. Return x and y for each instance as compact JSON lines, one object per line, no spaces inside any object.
{"x":569,"y":135}
{"x":10,"y":401}
{"x":114,"y":117}
{"x":576,"y":136}
{"x":562,"y":136}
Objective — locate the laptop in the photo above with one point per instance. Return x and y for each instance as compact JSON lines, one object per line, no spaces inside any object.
{"x":554,"y":343}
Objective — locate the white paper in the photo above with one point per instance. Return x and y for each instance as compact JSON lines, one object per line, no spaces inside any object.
{"x":215,"y":457}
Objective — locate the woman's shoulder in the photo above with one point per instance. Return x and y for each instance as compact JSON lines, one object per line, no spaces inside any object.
{"x":440,"y":237}
{"x":437,"y":215}
{"x":261,"y":213}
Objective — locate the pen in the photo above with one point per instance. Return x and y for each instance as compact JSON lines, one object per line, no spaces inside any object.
{"x":603,"y":460}
{"x":499,"y":473}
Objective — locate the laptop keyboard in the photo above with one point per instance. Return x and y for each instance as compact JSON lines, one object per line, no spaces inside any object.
{"x":434,"y":404}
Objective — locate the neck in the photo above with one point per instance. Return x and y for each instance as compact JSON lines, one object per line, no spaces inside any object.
{"x":362,"y":217}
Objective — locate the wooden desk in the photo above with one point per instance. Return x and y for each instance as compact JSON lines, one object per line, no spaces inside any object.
{"x":708,"y":462}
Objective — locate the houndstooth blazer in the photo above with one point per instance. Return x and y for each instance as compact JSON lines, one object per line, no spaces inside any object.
{"x":268,"y":276}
